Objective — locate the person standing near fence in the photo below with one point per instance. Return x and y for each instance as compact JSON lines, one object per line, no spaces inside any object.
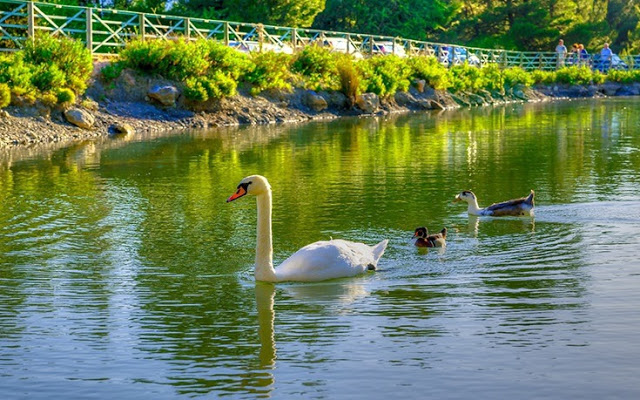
{"x":584,"y":55}
{"x":605,"y":57}
{"x":561,"y":50}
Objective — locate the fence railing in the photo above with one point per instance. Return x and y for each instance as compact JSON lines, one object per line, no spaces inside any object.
{"x":105,"y":31}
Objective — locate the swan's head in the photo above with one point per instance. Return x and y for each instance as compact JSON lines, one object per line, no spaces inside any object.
{"x":421,"y":232}
{"x":254,"y":185}
{"x":467,"y":196}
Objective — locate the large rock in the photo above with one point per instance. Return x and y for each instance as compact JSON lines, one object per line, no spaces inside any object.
{"x":368,"y":102}
{"x":404,"y":98}
{"x":611,"y":88}
{"x":122,"y":128}
{"x":165,"y":95}
{"x":314,"y":101}
{"x":80,"y":118}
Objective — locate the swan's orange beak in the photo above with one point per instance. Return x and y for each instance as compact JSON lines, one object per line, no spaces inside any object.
{"x":239,"y":193}
{"x":457,"y":199}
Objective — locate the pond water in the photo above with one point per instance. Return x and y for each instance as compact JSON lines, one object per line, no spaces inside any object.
{"x":124,"y":274}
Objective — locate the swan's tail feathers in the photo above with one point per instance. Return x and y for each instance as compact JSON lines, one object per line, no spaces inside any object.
{"x":529,"y":199}
{"x":378,"y":250}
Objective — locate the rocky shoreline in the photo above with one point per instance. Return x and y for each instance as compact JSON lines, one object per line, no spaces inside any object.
{"x":129,"y":106}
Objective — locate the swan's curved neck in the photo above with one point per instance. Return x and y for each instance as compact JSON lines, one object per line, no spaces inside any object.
{"x":264,"y":249}
{"x":473,"y":207}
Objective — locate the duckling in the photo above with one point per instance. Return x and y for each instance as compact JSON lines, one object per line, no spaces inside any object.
{"x":426,"y":240}
{"x":516,"y":207}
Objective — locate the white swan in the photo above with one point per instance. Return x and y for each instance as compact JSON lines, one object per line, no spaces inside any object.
{"x":315,"y":262}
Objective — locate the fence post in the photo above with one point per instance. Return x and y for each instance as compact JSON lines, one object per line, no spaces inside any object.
{"x":187,"y":33}
{"x":260,"y":29}
{"x":348,"y":44}
{"x":294,"y":34}
{"x":142,"y":28}
{"x":226,"y":34}
{"x":370,"y":45}
{"x":31,"y":18}
{"x":89,"y":22}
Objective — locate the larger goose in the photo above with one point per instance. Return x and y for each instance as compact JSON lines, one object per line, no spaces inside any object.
{"x":516,"y":207}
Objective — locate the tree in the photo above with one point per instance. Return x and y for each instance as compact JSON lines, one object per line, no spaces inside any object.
{"x":415,"y":19}
{"x":298,"y":13}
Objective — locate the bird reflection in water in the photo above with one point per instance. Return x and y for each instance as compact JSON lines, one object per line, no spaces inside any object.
{"x":265,"y":293}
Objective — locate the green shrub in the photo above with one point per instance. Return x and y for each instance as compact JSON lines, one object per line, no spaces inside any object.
{"x":466,"y":78}
{"x":207,"y":69}
{"x":493,"y":78}
{"x":269,"y":71}
{"x":48,"y":77}
{"x":66,"y":96}
{"x":384,"y":75}
{"x":623,"y":76}
{"x":574,"y":75}
{"x":318,"y":66}
{"x":544,"y":77}
{"x":49,"y":99}
{"x":349,"y":78}
{"x":67,"y":62}
{"x":112,"y":71}
{"x":517,"y":76}
{"x":5,"y":95}
{"x":223,"y":58}
{"x":428,"y":68}
{"x":15,"y":73}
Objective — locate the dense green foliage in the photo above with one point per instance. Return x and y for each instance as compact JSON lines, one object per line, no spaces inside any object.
{"x":5,"y":95}
{"x":46,"y":67}
{"x":318,"y":66}
{"x":384,"y":75}
{"x":208,"y":70}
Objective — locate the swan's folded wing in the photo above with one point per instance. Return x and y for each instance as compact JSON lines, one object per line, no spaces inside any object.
{"x":326,"y":260}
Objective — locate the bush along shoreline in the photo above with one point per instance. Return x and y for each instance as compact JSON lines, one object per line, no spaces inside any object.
{"x":54,"y":91}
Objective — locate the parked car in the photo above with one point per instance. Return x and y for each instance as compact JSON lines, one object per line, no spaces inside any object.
{"x":389,"y":48}
{"x":341,"y":45}
{"x":454,"y":55}
{"x":248,"y":46}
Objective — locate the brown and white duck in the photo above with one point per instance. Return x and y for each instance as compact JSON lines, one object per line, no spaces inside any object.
{"x":426,"y":240}
{"x":516,"y":207}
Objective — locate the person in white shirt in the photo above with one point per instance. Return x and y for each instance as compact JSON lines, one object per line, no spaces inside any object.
{"x":561,"y":50}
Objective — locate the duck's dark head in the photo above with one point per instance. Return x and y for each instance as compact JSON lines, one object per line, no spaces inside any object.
{"x":421,"y":232}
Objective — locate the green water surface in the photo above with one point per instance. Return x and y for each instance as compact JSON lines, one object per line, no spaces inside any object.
{"x":125,"y":275}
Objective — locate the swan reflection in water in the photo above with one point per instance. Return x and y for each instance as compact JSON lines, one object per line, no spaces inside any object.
{"x":265,"y":293}
{"x":338,"y":293}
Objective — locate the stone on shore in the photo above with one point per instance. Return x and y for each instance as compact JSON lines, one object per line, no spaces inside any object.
{"x":122,"y":128}
{"x":165,"y":95}
{"x":368,"y":102}
{"x":314,"y":101}
{"x":79,"y":118}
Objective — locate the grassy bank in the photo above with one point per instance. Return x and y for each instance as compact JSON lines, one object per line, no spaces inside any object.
{"x":56,"y":72}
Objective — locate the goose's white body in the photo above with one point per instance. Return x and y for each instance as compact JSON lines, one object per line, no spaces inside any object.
{"x":315,"y":262}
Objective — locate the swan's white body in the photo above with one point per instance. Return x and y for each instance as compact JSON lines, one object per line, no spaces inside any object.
{"x":315,"y":262}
